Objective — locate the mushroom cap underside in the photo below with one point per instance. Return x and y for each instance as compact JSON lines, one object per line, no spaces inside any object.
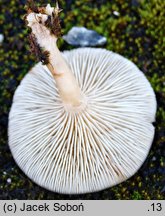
{"x":91,"y":147}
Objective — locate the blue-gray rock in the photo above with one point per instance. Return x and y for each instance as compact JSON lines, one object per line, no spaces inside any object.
{"x":83,"y":37}
{"x":1,"y":38}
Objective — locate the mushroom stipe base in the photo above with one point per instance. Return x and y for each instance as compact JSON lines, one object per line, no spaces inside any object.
{"x":92,"y":147}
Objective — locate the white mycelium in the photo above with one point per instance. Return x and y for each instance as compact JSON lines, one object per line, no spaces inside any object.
{"x":96,"y":145}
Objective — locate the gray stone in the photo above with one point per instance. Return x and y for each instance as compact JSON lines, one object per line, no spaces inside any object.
{"x":116,"y":13}
{"x":83,"y":37}
{"x":1,"y":38}
{"x":154,"y":158}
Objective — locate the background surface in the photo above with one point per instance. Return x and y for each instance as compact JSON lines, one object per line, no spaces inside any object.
{"x":137,"y":34}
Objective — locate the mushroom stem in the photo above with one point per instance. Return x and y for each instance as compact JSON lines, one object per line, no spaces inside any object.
{"x":42,"y":22}
{"x":66,"y":83}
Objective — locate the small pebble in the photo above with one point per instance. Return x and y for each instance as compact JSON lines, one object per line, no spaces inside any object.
{"x":9,"y":180}
{"x":116,"y":13}
{"x":154,"y":158}
{"x":1,"y":38}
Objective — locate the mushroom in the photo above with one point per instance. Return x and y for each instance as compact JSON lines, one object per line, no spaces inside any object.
{"x":83,"y":121}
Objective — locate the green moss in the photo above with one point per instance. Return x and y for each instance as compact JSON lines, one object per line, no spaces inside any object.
{"x":136,"y":196}
{"x":153,"y":18}
{"x":137,"y":33}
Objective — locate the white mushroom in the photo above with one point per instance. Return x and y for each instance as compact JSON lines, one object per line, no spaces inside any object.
{"x":83,"y":123}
